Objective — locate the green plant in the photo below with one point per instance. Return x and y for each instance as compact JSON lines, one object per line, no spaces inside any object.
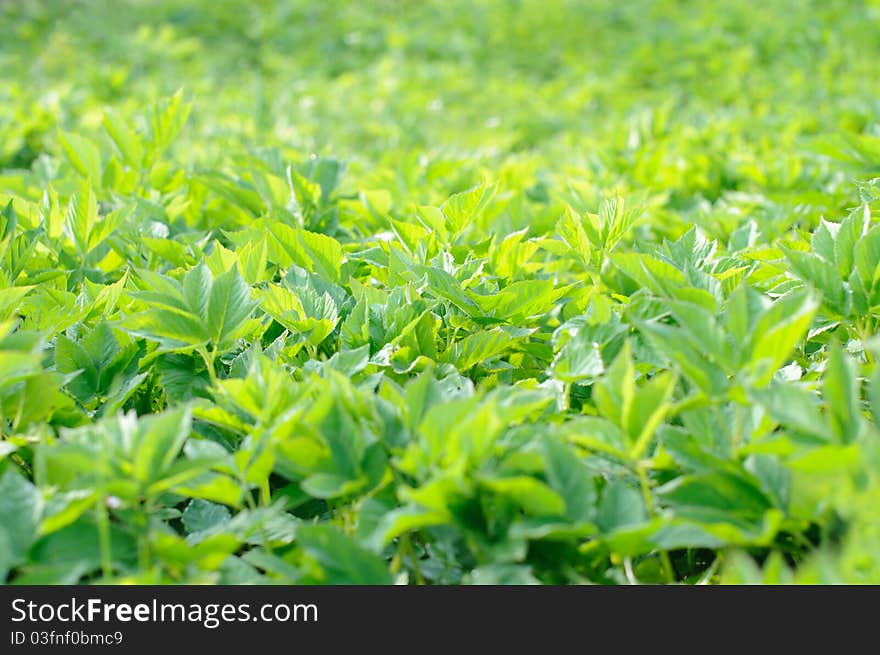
{"x":353,"y":308}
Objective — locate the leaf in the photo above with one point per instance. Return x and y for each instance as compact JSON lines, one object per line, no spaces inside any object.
{"x":127,"y":141}
{"x":355,"y":330}
{"x":315,"y":252}
{"x":461,"y":209}
{"x":82,"y":155}
{"x":166,"y":118}
{"x":330,"y":485}
{"x":174,"y":330}
{"x":775,"y":478}
{"x":716,"y":497}
{"x":19,"y":512}
{"x":532,"y":495}
{"x":621,"y":506}
{"x":579,"y":359}
{"x":477,"y":348}
{"x":159,"y":439}
{"x":62,"y":509}
{"x":306,"y":192}
{"x":569,"y":477}
{"x":841,"y":392}
{"x":342,"y":560}
{"x":201,"y":515}
{"x":503,"y":574}
{"x":197,"y":285}
{"x":77,"y":549}
{"x":822,"y":275}
{"x":570,"y":229}
{"x":649,"y":406}
{"x":848,"y":235}
{"x":777,"y":332}
{"x":82,"y":214}
{"x":705,"y":331}
{"x":794,"y":407}
{"x":195,"y":483}
{"x":405,"y":519}
{"x":229,"y":306}
{"x":661,"y":277}
{"x":325,"y":253}
{"x":444,"y":286}
{"x":520,"y":300}
{"x":614,"y":394}
{"x":70,"y":357}
{"x":253,"y":259}
{"x":867,"y":257}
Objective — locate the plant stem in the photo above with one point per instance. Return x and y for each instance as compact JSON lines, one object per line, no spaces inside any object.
{"x":644,"y":483}
{"x":406,"y":548}
{"x":104,"y":540}
{"x":209,"y":364}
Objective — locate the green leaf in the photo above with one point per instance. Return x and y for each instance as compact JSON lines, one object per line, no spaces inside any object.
{"x":315,"y":252}
{"x":62,"y":509}
{"x":166,"y":119}
{"x":197,"y":285}
{"x":444,"y":286}
{"x":570,"y":229}
{"x":503,"y":574}
{"x":229,"y":306}
{"x":520,"y":300}
{"x":82,"y":155}
{"x":794,"y":407}
{"x":716,"y":497}
{"x":174,"y":330}
{"x":82,"y":214}
{"x":840,"y":387}
{"x":127,"y":141}
{"x":648,"y":409}
{"x":675,"y":344}
{"x":579,"y":359}
{"x":851,"y":231}
{"x":535,"y":497}
{"x":355,"y":329}
{"x":867,"y":258}
{"x":822,"y":275}
{"x":568,"y":475}
{"x":614,"y":394}
{"x":201,"y":515}
{"x":324,"y":253}
{"x":621,"y":506}
{"x":462,"y":209}
{"x":477,"y":348}
{"x":342,"y":560}
{"x":704,"y":330}
{"x":777,"y":332}
{"x":405,"y":519}
{"x":20,"y":507}
{"x":330,"y":485}
{"x":158,"y":441}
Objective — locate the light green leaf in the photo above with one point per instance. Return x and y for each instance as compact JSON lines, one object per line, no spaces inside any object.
{"x":83,"y":155}
{"x":229,"y":307}
{"x":840,"y":387}
{"x":129,"y":143}
{"x":535,"y":497}
{"x":477,"y":348}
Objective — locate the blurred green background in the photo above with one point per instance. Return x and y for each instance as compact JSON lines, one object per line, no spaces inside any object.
{"x":688,"y":99}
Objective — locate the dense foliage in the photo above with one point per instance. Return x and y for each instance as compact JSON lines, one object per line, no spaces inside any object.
{"x":439,"y":292}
